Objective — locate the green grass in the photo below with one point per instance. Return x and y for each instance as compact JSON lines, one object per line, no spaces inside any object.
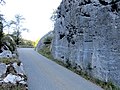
{"x":25,"y":46}
{"x":45,"y":51}
{"x":12,"y":87}
{"x":8,"y":60}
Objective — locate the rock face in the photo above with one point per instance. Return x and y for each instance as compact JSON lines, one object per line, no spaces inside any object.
{"x":87,"y":33}
{"x":8,"y":47}
{"x":12,"y":73}
{"x":3,"y":69}
{"x":41,"y":41}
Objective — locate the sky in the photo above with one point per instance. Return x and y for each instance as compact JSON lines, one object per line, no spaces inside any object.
{"x":37,"y":15}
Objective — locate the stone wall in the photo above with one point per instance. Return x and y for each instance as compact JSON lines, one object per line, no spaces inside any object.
{"x":87,"y":33}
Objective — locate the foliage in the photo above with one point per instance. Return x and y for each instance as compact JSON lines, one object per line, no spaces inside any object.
{"x":18,"y":28}
{"x":8,"y":60}
{"x":47,"y":40}
{"x":12,"y":87}
{"x":36,"y":42}
{"x":1,"y":23}
{"x":46,"y":51}
{"x":23,"y":42}
{"x":26,"y":43}
{"x":7,"y":26}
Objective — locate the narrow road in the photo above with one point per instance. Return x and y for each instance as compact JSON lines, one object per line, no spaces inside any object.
{"x":44,"y":74}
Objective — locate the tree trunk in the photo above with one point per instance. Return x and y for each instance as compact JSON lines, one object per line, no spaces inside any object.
{"x":1,"y":32}
{"x":18,"y":36}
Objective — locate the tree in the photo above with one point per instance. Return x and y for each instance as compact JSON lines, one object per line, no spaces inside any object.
{"x":1,"y":23}
{"x":18,"y":28}
{"x":7,"y":25}
{"x":1,"y":29}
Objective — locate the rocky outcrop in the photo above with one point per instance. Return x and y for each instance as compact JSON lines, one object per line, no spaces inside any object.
{"x":13,"y":74}
{"x":42,"y":41}
{"x":87,"y":34}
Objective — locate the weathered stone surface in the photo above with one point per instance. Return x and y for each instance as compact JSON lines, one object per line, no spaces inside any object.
{"x":41,"y":41}
{"x":87,"y":33}
{"x":12,"y":73}
{"x":12,"y":79}
{"x":6,"y":54}
{"x":3,"y":68}
{"x":19,"y":68}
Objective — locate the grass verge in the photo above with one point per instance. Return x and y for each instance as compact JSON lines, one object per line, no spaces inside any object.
{"x":8,"y":60}
{"x":12,"y":87}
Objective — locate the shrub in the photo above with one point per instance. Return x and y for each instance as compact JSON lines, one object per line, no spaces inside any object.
{"x":46,"y":51}
{"x":47,"y":40}
{"x":8,"y":60}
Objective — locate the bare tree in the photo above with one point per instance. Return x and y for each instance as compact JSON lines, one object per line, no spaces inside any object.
{"x":17,"y":26}
{"x":1,"y":23}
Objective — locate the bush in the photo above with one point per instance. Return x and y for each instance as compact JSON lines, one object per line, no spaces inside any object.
{"x":46,"y":51}
{"x":12,"y":87}
{"x":47,"y":40}
{"x":8,"y":60}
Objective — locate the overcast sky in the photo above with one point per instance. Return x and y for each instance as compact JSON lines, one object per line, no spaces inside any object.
{"x":36,"y":12}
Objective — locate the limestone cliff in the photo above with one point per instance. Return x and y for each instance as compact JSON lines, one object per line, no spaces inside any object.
{"x":41,"y":42}
{"x":87,"y":33}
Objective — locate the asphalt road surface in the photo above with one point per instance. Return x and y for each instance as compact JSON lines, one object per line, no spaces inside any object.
{"x":44,"y":74}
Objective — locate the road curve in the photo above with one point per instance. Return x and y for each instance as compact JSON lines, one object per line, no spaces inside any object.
{"x":44,"y":74}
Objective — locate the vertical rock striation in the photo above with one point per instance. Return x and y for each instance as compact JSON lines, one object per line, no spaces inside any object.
{"x":87,"y":33}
